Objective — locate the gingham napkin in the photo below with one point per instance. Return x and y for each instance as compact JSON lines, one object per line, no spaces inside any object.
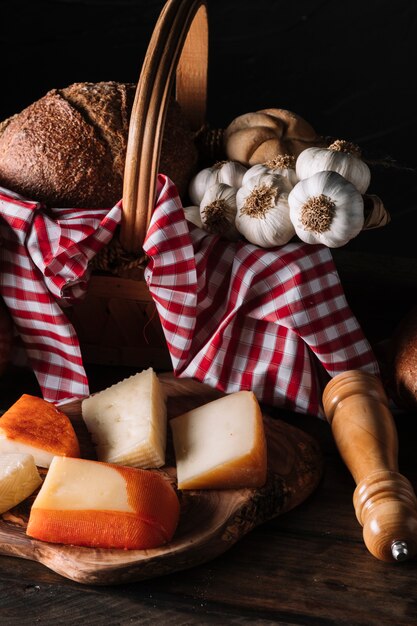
{"x":44,"y":256}
{"x":234,"y":315}
{"x":237,"y":316}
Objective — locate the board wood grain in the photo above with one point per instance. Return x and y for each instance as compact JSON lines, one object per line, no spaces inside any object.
{"x":211,"y":521}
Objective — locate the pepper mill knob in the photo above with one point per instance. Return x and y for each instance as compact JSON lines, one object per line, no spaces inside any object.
{"x":363,"y":427}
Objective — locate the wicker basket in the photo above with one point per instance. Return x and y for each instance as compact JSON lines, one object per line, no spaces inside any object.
{"x":117,"y":323}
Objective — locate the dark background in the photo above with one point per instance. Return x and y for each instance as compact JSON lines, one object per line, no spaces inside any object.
{"x":346,"y":67}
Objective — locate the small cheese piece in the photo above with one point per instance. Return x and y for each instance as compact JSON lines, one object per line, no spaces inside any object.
{"x":221,"y":444}
{"x":34,"y":426}
{"x":100,"y":505}
{"x":19,"y":477}
{"x":128,"y":421}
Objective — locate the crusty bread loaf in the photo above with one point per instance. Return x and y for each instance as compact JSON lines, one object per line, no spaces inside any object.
{"x":404,"y":361}
{"x":68,"y":148}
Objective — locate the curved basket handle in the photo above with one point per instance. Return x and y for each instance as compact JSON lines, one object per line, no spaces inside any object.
{"x":178,"y":48}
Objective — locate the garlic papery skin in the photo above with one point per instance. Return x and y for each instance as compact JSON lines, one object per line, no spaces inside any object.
{"x":200,"y":183}
{"x":342,"y":157}
{"x":192,"y":214}
{"x":263,"y":215}
{"x":326,"y":209}
{"x":283,"y":165}
{"x":227,"y":172}
{"x":231,"y":173}
{"x":218,"y":211}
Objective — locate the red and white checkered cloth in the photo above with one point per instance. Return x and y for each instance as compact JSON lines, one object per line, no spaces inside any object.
{"x":234,"y":315}
{"x":44,"y":256}
{"x":237,"y":316}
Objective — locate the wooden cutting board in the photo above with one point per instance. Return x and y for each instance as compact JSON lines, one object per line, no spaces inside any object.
{"x":210,"y":521}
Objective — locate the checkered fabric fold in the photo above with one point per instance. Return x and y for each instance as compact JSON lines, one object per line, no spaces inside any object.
{"x":237,"y":316}
{"x":44,"y":256}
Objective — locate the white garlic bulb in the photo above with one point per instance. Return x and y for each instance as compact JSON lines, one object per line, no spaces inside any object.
{"x":326,"y":208}
{"x":263,"y":215}
{"x":227,"y":172}
{"x":192,"y":214}
{"x":284,"y":165}
{"x":218,"y":211}
{"x":342,"y":157}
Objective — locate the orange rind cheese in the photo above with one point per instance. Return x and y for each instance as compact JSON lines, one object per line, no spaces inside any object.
{"x":102,"y":505}
{"x":34,"y":426}
{"x":221,"y":445}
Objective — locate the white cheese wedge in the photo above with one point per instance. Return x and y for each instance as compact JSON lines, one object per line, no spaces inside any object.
{"x":128,"y":421}
{"x":221,"y":444}
{"x":19,"y":478}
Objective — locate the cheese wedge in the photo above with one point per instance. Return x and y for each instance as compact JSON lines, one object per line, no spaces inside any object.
{"x":128,"y":421}
{"x":19,"y":477}
{"x":221,"y":444}
{"x":34,"y":426}
{"x":100,"y":505}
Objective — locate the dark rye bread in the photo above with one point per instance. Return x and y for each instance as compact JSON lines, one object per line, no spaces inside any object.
{"x":68,"y":148}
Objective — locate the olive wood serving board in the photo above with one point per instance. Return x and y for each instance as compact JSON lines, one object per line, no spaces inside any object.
{"x":211,"y":521}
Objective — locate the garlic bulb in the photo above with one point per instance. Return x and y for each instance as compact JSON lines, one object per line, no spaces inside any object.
{"x":263,"y":215}
{"x":227,"y":172}
{"x":218,"y":211}
{"x":342,"y":157}
{"x":192,"y":214}
{"x":326,"y":208}
{"x":284,"y":165}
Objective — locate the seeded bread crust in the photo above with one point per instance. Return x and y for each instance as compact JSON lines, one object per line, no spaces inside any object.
{"x":68,"y":148}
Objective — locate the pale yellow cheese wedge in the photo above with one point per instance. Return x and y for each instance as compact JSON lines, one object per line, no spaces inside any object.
{"x":95,"y":504}
{"x":19,"y":477}
{"x":128,"y":421}
{"x":221,"y":444}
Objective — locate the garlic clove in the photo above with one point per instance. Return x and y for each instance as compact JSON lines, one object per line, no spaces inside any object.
{"x":284,"y":165}
{"x":256,"y":170}
{"x":231,"y":173}
{"x":271,"y":168}
{"x":227,"y":172}
{"x":192,"y":214}
{"x":270,"y":180}
{"x":199,"y":183}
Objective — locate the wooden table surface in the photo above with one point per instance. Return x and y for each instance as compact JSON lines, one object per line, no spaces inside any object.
{"x":308,"y":566}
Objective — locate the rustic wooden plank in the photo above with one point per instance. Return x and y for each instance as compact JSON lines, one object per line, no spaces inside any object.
{"x":268,"y":578}
{"x":308,"y":566}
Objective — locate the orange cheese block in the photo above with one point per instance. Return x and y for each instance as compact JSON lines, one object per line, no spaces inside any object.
{"x":104,"y":505}
{"x":34,"y":426}
{"x":221,"y":444}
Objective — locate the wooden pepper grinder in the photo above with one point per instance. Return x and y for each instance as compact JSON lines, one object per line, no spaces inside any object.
{"x":363,"y":427}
